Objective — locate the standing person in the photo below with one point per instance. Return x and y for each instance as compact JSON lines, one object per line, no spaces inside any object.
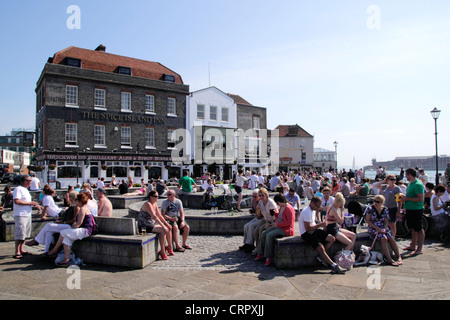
{"x":173,"y":213}
{"x":151,"y":219}
{"x":22,"y":215}
{"x":314,"y":236}
{"x":294,"y":199}
{"x":284,"y":228}
{"x":7,"y":198}
{"x":389,"y":189}
{"x":105,"y":207}
{"x":81,"y":228}
{"x":377,"y":222}
{"x":413,"y":203}
{"x":240,"y":179}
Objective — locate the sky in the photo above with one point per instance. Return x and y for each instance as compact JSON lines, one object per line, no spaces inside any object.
{"x":363,"y":73}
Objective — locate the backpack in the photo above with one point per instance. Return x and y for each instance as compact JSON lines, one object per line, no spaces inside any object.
{"x":345,"y":259}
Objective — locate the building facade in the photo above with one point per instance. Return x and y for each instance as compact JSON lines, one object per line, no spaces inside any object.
{"x":296,"y":147}
{"x":103,"y":115}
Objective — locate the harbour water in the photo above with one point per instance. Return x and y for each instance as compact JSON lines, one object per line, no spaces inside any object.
{"x":431,"y":174}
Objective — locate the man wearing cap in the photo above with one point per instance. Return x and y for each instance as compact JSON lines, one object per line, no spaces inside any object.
{"x":105,"y":207}
{"x":172,"y":211}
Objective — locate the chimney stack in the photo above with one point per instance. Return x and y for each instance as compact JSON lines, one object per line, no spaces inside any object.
{"x":101,"y":48}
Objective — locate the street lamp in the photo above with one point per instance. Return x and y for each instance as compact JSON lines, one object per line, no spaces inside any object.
{"x":335,"y":153}
{"x":435,"y":115}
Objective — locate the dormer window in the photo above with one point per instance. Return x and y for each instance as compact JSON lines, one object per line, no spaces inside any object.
{"x":73,"y":62}
{"x":124,"y":70}
{"x":169,"y":78}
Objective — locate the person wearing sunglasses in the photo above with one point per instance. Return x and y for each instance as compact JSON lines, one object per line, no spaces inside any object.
{"x":151,"y":219}
{"x":377,"y":217}
{"x":389,"y":190}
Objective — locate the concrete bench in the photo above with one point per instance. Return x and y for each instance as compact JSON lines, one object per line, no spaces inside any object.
{"x":7,"y":225}
{"x":123,"y":202}
{"x":117,"y":244}
{"x":293,"y":252}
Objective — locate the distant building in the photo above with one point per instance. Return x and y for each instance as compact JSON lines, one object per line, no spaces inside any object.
{"x":296,"y":147}
{"x":324,"y":159}
{"x":16,"y":150}
{"x":424,"y":162}
{"x":100,"y":114}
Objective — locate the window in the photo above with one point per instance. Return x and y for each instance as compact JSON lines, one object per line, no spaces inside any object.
{"x":124,"y":70}
{"x":149,"y":138}
{"x":200,"y":111}
{"x":213,"y":113}
{"x":99,"y":136}
{"x":170,"y":138}
{"x":99,"y":98}
{"x":169,"y":78}
{"x":149,"y":103}
{"x":125,"y":137}
{"x":71,"y":134}
{"x":71,"y":96}
{"x":256,"y":122}
{"x":225,"y":114}
{"x":171,"y":106}
{"x":73,"y":62}
{"x":125,"y":101}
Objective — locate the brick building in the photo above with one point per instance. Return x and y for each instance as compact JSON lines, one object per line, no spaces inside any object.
{"x":103,"y":115}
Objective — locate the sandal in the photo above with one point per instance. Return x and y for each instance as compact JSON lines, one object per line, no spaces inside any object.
{"x":180,"y":249}
{"x":170,"y":252}
{"x":63,"y":264}
{"x":187,"y":247}
{"x":17,"y":256}
{"x":163,"y":255}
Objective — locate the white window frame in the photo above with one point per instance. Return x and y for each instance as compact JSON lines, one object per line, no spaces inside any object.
{"x":149,"y":104}
{"x":171,"y":138}
{"x":202,"y":112}
{"x":71,"y":135}
{"x":172,"y":103}
{"x":125,"y":137}
{"x":258,"y":126}
{"x":150,"y":138}
{"x":225,"y":112}
{"x":213,"y":113}
{"x":99,"y":98}
{"x":99,"y":136}
{"x":125,"y":101}
{"x":72,"y":96}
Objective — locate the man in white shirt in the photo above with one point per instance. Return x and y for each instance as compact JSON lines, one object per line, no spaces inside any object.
{"x":319,"y":239}
{"x":35,"y":183}
{"x":100,"y":183}
{"x":22,"y":215}
{"x":274,"y":181}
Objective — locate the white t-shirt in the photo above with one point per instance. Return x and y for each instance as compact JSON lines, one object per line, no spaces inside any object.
{"x":53,"y":210}
{"x":240,"y":181}
{"x":265,"y":209}
{"x":435,"y":212}
{"x":23,"y":194}
{"x":100,"y":184}
{"x":34,"y":186}
{"x":306,"y":215}
{"x":93,"y":207}
{"x":445,"y":197}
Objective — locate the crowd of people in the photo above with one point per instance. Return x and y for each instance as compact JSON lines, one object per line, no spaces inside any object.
{"x":320,"y":222}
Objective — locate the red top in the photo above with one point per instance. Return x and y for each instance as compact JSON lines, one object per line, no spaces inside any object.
{"x":288,"y":220}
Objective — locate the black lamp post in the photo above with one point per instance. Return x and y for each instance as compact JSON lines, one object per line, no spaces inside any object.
{"x":435,"y":114}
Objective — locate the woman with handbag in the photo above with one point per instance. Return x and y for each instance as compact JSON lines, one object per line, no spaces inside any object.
{"x":377,"y":221}
{"x":80,"y":229}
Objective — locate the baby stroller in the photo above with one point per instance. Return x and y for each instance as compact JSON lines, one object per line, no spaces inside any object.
{"x":357,"y":212}
{"x":442,"y":225}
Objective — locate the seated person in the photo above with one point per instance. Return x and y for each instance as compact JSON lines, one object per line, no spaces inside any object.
{"x":161,"y":187}
{"x":140,"y":192}
{"x":50,"y":208}
{"x":7,"y":198}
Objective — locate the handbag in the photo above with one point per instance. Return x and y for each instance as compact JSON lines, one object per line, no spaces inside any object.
{"x":345,"y":259}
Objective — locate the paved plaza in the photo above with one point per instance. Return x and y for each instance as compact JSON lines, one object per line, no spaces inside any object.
{"x":216,"y":270}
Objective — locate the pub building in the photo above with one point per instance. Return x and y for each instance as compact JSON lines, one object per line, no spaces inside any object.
{"x":100,"y":115}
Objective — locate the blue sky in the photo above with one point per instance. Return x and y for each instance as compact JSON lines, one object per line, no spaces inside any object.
{"x":336,"y":68}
